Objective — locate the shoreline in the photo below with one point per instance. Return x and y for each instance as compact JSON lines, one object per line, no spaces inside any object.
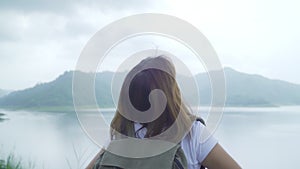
{"x":1,"y":117}
{"x":70,"y":109}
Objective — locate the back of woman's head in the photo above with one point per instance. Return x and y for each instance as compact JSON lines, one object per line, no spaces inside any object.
{"x":151,"y":73}
{"x":152,"y":78}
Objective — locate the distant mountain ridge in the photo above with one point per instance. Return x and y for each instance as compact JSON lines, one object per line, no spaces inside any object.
{"x":242,"y":90}
{"x":259,"y":89}
{"x":4,"y":92}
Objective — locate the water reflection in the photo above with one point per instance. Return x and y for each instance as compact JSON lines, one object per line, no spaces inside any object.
{"x":256,"y":137}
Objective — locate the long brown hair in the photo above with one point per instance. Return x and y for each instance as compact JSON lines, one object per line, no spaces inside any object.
{"x":139,"y":89}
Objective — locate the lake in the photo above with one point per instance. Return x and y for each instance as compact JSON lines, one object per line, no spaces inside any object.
{"x":256,"y":137}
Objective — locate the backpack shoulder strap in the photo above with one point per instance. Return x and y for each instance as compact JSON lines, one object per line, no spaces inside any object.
{"x":97,"y":164}
{"x":180,"y":161}
{"x":200,"y":120}
{"x":203,"y":122}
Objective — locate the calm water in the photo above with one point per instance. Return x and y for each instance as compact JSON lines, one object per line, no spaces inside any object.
{"x":255,"y":137}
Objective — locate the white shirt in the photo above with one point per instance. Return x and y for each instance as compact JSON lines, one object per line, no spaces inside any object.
{"x":195,"y":150}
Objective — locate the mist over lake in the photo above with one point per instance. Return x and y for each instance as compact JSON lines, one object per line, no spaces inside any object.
{"x":255,"y":137}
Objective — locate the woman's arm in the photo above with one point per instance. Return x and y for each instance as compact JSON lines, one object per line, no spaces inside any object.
{"x":218,"y":158}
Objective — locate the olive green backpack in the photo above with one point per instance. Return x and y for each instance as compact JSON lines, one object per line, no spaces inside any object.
{"x":174,"y":158}
{"x":171,"y":159}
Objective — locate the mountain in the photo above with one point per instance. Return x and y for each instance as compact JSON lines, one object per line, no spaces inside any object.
{"x":242,"y":90}
{"x":247,"y":89}
{"x":4,"y":92}
{"x":56,"y":94}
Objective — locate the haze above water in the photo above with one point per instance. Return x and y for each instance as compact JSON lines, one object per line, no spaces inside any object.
{"x":255,"y":137}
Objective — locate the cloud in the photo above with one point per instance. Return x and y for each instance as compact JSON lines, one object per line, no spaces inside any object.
{"x":40,"y":39}
{"x":257,"y":36}
{"x":68,"y":6}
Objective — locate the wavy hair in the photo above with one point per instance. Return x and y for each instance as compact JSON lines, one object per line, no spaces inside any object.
{"x":175,"y":120}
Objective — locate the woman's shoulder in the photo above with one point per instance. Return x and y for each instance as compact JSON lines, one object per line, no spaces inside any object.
{"x":200,"y":140}
{"x":196,"y":128}
{"x":199,"y":132}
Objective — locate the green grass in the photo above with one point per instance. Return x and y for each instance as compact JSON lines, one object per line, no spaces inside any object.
{"x":11,"y":162}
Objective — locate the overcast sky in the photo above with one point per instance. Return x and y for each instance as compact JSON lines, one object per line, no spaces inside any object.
{"x":39,"y":40}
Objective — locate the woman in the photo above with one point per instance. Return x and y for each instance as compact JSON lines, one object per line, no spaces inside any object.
{"x":159,"y":73}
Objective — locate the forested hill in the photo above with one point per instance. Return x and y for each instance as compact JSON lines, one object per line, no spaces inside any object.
{"x":242,"y":90}
{"x":56,"y":94}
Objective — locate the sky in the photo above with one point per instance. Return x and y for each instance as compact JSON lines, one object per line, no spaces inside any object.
{"x":40,"y":39}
